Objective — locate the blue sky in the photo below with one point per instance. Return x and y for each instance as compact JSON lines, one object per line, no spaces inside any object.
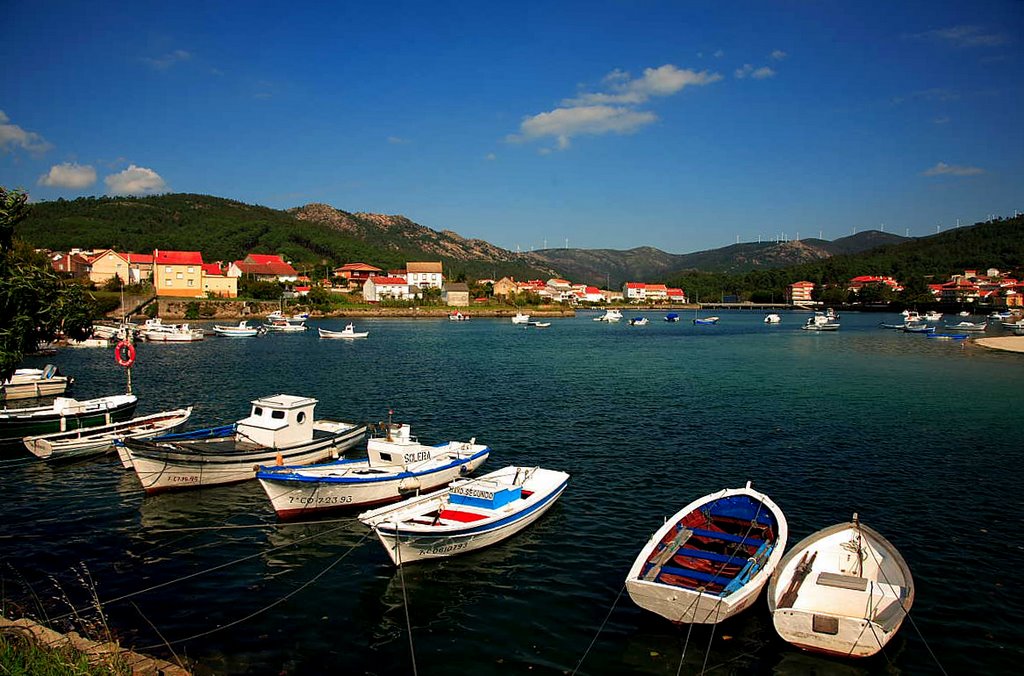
{"x":679,"y":125}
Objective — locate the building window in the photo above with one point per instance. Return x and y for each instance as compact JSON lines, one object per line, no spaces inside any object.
{"x":179,"y":276}
{"x":167,"y":282}
{"x":190,"y":282}
{"x":167,"y":269}
{"x":191,"y":270}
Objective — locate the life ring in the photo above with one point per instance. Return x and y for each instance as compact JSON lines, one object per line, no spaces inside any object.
{"x":124,"y":353}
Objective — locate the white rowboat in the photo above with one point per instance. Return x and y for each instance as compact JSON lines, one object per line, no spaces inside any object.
{"x":97,"y":440}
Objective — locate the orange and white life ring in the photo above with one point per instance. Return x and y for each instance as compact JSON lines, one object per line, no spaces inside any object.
{"x":124,"y":353}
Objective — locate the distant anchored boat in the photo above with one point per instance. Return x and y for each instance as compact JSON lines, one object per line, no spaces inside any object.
{"x":34,"y":383}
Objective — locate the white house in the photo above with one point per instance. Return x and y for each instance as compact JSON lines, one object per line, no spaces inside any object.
{"x":424,"y":275}
{"x":378,"y":288}
{"x":634,"y":292}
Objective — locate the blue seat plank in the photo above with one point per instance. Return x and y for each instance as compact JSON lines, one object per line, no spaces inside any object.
{"x":715,"y":535}
{"x":712,"y":556}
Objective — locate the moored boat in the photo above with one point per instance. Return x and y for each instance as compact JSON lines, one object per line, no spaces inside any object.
{"x":772,"y":318}
{"x":822,"y":321}
{"x":64,"y":414}
{"x":396,"y":466}
{"x":243,"y":330}
{"x":971,"y":327}
{"x":457,"y":316}
{"x":918,"y":328}
{"x":538,"y":325}
{"x":284,"y":326}
{"x":156,"y":331}
{"x":672,"y":317}
{"x":280,"y":429}
{"x":705,"y":321}
{"x":521,"y":318}
{"x":638,"y":321}
{"x":843,"y":590}
{"x":35,"y":383}
{"x":610,"y":315}
{"x":467,"y":516}
{"x":96,"y":440}
{"x":348,"y":332}
{"x":711,"y":559}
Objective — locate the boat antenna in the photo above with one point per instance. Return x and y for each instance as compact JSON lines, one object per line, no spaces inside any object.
{"x":388,"y":438}
{"x":860,"y":546}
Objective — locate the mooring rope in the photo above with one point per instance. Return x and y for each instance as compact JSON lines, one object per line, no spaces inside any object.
{"x":599,"y":629}
{"x":405,"y":598}
{"x":251,"y":615}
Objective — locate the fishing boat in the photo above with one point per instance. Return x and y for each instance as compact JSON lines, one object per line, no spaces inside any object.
{"x":918,"y":328}
{"x":932,"y":316}
{"x":672,"y":317}
{"x":711,"y":559}
{"x":348,"y":332}
{"x":821,"y":321}
{"x":638,"y":321}
{"x":610,"y":315}
{"x":843,"y":590}
{"x":63,"y":415}
{"x":469,"y":515}
{"x":970,"y":327}
{"x":35,"y":383}
{"x":243,"y":330}
{"x":539,"y":325}
{"x":458,"y":317}
{"x":284,"y":326}
{"x":280,"y":429}
{"x":294,"y":319}
{"x":156,"y":331}
{"x":772,"y":318}
{"x":96,"y":440}
{"x":396,"y":466}
{"x":948,"y":336}
{"x":892,"y":326}
{"x":521,"y":318}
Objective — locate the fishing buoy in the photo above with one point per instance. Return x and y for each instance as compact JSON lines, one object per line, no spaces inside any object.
{"x":409,"y":484}
{"x":280,"y":459}
{"x":124,"y":353}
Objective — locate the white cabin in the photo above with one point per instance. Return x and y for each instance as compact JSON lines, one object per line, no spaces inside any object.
{"x":278,"y":421}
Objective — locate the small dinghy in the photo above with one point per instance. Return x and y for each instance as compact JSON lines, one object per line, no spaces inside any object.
{"x":843,"y":591}
{"x":469,"y":515}
{"x":63,"y":415}
{"x":35,"y":383}
{"x":243,"y":330}
{"x":672,"y":317}
{"x":638,"y":321}
{"x":97,"y":440}
{"x":711,"y":559}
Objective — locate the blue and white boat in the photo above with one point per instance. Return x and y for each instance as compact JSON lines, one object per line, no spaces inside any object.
{"x":672,"y":317}
{"x":638,"y":321}
{"x":469,"y":515}
{"x":705,"y":321}
{"x":396,"y":466}
{"x":711,"y":559}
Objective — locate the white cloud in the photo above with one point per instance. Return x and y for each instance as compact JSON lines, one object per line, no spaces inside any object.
{"x":962,"y":36}
{"x":719,"y":54}
{"x":167,"y":60}
{"x":757,"y":73}
{"x":69,"y":175}
{"x":943,"y":169}
{"x":942,"y":119}
{"x":779,"y":55}
{"x":397,"y":140}
{"x":135,"y":181}
{"x":12,"y":136}
{"x":564,"y":123}
{"x":662,"y":81}
{"x":490,"y":157}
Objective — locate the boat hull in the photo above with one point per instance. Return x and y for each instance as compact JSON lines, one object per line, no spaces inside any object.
{"x":171,"y":466}
{"x":825,"y":598}
{"x":33,"y":388}
{"x":97,"y":440}
{"x":296,"y":497}
{"x":655,"y":584}
{"x":15,"y":424}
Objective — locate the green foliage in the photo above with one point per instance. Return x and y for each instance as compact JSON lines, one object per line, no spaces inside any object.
{"x":20,"y":655}
{"x":113,"y":284}
{"x":192,"y":310}
{"x":250,"y":288}
{"x":35,"y":305}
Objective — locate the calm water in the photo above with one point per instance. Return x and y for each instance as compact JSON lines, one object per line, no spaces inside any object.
{"x":921,"y":437}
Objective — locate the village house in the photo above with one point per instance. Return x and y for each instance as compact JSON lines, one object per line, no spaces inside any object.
{"x":505,"y":286}
{"x":178,"y":273}
{"x":217,"y":284}
{"x":72,"y":264}
{"x":140,"y":268}
{"x":676,"y":295}
{"x":858,"y":283}
{"x":264,"y":268}
{"x":799,"y":293}
{"x":424,"y":275}
{"x":378,"y":288}
{"x":634,"y":292}
{"x":108,"y":264}
{"x":455,"y":294}
{"x":356,"y":274}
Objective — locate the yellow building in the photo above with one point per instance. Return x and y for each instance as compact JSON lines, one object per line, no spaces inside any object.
{"x":217,"y":284}
{"x":107,"y":265}
{"x":178,"y":273}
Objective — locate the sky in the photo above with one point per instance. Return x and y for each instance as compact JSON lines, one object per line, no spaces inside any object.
{"x":679,"y":125}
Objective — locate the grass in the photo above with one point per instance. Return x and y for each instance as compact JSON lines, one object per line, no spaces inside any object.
{"x":20,"y":655}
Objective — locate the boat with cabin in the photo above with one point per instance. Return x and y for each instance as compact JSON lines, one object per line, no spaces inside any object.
{"x":156,"y":331}
{"x":638,"y":321}
{"x":458,"y":316}
{"x":610,"y":315}
{"x":348,"y":332}
{"x":279,"y":430}
{"x":97,"y":440}
{"x":672,"y":317}
{"x":63,"y":415}
{"x":243,"y":330}
{"x":970,"y":327}
{"x":711,"y":559}
{"x":821,"y":321}
{"x":396,"y":466}
{"x":521,"y":318}
{"x":284,"y":325}
{"x":35,"y":383}
{"x":468,"y":515}
{"x":844,"y":591}
{"x":772,"y":318}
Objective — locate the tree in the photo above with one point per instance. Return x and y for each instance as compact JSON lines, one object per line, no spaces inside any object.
{"x":35,"y":305}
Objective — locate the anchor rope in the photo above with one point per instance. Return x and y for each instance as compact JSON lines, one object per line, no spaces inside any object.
{"x":599,"y":629}
{"x":405,"y":598}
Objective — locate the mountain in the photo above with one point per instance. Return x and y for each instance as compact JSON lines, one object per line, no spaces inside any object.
{"x":310,"y":236}
{"x":603,"y":266}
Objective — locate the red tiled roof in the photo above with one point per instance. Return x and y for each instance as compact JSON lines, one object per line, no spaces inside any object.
{"x":139,"y":258}
{"x":389,"y":281}
{"x":359,"y":267}
{"x":177,"y":257}
{"x":657,"y":287}
{"x":263,"y":259}
{"x":276,"y":269}
{"x":635,"y":285}
{"x":593,"y":289}
{"x":212,"y":269}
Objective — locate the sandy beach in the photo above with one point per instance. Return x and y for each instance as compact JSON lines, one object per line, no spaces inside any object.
{"x":1006,"y":343}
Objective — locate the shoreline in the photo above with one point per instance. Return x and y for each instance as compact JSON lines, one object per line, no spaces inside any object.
{"x":1002,"y":343}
